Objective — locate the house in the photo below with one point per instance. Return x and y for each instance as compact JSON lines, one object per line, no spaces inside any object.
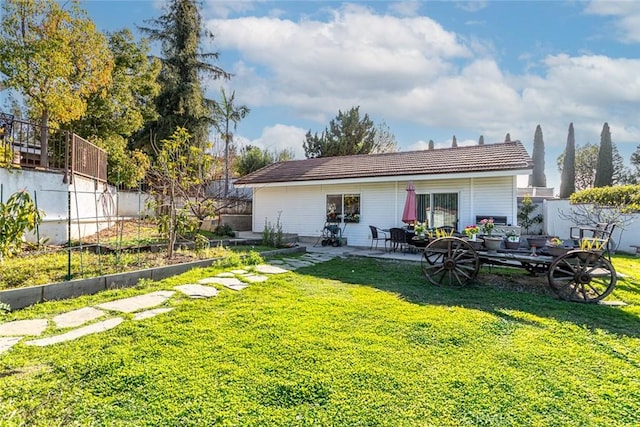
{"x":454,"y":186}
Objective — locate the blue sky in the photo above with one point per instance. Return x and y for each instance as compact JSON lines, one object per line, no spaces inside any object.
{"x":429,"y":70}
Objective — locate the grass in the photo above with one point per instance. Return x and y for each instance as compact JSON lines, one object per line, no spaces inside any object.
{"x":347,"y":342}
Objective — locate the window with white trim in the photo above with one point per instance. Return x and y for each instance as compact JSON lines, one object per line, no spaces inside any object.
{"x":343,"y":208}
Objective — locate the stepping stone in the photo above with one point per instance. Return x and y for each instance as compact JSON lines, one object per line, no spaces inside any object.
{"x":237,"y":287}
{"x":78,"y":317}
{"x":197,"y":291}
{"x":239,"y":272}
{"x":129,"y":305}
{"x":7,"y":342}
{"x":226,"y":274}
{"x":23,"y":327}
{"x":269,"y":269}
{"x":613,"y":303}
{"x":301,"y":263}
{"x":150,"y":313}
{"x":105,"y":325}
{"x":224,"y":281}
{"x":254,"y":278}
{"x":276,"y":262}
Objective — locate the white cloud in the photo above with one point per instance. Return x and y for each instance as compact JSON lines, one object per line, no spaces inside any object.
{"x":404,"y":8}
{"x":279,"y":137}
{"x":411,"y":70}
{"x":625,"y":13}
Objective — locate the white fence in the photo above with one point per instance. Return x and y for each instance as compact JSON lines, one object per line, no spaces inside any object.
{"x":90,"y":206}
{"x":556,"y":225}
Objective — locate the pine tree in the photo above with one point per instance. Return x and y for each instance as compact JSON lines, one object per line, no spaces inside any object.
{"x":568,"y":175}
{"x":538,"y":178}
{"x":604,"y":167}
{"x":182,"y":101}
{"x":346,"y":135}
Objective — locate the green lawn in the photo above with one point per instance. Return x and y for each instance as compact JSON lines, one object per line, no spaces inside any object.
{"x":347,"y":342}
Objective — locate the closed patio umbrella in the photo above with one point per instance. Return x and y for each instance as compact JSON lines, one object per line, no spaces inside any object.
{"x":410,"y":213}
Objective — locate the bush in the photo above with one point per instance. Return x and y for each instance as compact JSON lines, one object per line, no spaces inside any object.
{"x":624,"y":197}
{"x":224,"y":230}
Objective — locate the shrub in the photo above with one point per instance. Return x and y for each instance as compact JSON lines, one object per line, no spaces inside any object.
{"x":624,"y":197}
{"x":224,"y":230}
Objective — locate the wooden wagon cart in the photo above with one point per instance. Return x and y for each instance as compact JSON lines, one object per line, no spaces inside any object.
{"x":577,"y":275}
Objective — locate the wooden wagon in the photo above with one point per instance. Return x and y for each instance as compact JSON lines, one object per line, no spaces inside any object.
{"x":577,"y":275}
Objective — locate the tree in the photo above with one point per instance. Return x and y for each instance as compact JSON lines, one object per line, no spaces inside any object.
{"x":454,"y":142}
{"x":604,"y":167}
{"x":481,"y":140}
{"x":507,"y":137}
{"x":253,"y":158}
{"x":384,"y":140}
{"x":431,"y":144}
{"x":228,"y":115}
{"x":55,"y":58}
{"x":347,"y":134}
{"x":634,"y":176}
{"x":586,"y":163}
{"x":128,"y":101}
{"x":122,"y":108}
{"x":182,"y":102}
{"x":181,"y":172}
{"x":568,"y":171}
{"x":538,"y":178}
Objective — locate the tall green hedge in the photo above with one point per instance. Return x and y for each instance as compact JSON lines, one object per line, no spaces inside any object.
{"x":624,"y":197}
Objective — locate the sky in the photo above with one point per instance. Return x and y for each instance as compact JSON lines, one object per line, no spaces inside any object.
{"x":427,"y":69}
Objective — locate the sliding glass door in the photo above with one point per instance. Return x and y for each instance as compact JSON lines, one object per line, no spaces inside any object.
{"x":438,"y":209}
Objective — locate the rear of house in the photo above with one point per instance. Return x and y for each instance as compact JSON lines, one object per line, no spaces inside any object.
{"x":453,"y":187}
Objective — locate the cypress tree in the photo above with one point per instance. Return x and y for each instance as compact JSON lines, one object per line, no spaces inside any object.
{"x":431,"y":144}
{"x":507,"y":137}
{"x":538,"y":178}
{"x":481,"y":140}
{"x":568,"y":175}
{"x":454,"y":143}
{"x":604,"y":167}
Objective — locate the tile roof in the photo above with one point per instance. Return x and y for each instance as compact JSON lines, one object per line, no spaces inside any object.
{"x":476,"y":158}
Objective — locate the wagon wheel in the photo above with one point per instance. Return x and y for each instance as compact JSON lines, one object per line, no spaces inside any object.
{"x":450,"y":261}
{"x":582,"y":276}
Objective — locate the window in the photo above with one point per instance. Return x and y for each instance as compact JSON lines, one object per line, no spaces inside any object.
{"x":343,"y":208}
{"x":438,"y":209}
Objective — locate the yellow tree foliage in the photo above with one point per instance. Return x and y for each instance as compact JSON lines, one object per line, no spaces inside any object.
{"x":54,"y":57}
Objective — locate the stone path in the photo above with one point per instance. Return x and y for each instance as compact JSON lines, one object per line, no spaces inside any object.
{"x":84,"y":321}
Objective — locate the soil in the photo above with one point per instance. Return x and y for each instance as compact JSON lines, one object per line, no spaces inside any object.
{"x":126,"y":229}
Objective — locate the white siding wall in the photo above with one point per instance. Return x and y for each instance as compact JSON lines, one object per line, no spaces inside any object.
{"x":494,"y":196}
{"x":302,"y":208}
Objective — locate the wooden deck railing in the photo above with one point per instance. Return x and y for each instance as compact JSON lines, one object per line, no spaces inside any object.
{"x":66,"y":151}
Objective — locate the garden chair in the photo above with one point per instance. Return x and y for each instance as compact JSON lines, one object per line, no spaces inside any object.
{"x":398,"y":239}
{"x":378,"y":234}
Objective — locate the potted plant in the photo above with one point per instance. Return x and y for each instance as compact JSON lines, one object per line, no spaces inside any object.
{"x":471,"y":231}
{"x":419,"y":228}
{"x":555,"y":247}
{"x":512,"y":240}
{"x":487,"y":226}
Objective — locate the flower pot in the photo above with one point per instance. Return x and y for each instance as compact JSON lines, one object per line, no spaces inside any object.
{"x":492,"y":244}
{"x":538,"y":241}
{"x":512,"y":244}
{"x":556,"y":251}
